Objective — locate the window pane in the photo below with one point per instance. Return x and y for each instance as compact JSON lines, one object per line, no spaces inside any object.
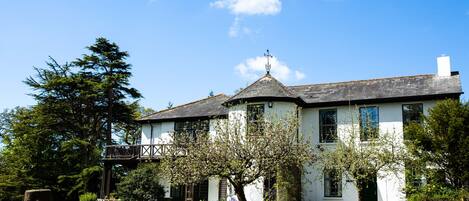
{"x":369,"y":122}
{"x":191,"y":128}
{"x":255,"y":118}
{"x":412,"y":113}
{"x":328,"y":125}
{"x":332,"y":183}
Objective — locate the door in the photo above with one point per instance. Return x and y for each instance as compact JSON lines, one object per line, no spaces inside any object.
{"x":189,"y":195}
{"x":370,"y":189}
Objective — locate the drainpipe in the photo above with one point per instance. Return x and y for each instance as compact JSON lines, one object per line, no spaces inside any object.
{"x":298,"y":128}
{"x":151,"y":133}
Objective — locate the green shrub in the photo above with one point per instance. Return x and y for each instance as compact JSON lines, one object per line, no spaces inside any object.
{"x":431,"y":192}
{"x":141,"y":184}
{"x":88,"y":197}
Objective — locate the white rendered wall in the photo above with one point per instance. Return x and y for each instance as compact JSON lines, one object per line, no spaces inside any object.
{"x":237,"y":115}
{"x":390,"y":188}
{"x":213,"y":184}
{"x":167,"y":187}
{"x":162,"y":135}
{"x":390,"y":118}
{"x":161,"y":132}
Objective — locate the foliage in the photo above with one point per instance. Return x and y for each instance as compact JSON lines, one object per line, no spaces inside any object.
{"x":440,"y":153}
{"x":88,"y":197}
{"x":57,"y":142}
{"x":440,"y":143}
{"x":363,"y":161}
{"x":241,"y":157}
{"x":106,"y":66}
{"x":432,"y":192}
{"x":141,"y":184}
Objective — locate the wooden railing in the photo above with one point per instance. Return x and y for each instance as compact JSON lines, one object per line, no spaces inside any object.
{"x":140,"y":151}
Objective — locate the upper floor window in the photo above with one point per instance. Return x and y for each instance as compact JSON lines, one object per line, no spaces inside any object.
{"x":255,"y":118}
{"x":327,"y":125}
{"x":369,"y":122}
{"x":332,"y":183}
{"x":191,"y":128}
{"x":412,"y":113}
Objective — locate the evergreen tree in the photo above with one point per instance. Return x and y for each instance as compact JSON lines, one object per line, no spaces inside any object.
{"x":440,"y":144}
{"x":106,"y":64}
{"x":57,"y":143}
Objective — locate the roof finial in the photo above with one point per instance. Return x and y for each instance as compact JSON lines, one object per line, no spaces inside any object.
{"x":267,"y":65}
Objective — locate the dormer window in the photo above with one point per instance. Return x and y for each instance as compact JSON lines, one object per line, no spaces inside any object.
{"x":255,"y":118}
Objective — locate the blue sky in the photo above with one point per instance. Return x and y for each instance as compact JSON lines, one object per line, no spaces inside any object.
{"x":181,"y":50}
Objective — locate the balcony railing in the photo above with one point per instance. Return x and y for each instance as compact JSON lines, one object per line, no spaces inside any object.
{"x":141,"y":151}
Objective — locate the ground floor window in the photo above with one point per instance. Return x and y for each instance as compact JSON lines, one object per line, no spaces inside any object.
{"x":369,"y":187}
{"x":190,"y":192}
{"x":270,"y":191}
{"x":332,"y":183}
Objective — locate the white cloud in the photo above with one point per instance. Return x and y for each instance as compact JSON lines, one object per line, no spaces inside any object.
{"x":236,"y":29}
{"x":299,"y":75}
{"x":241,"y":8}
{"x":249,"y":7}
{"x":253,"y":68}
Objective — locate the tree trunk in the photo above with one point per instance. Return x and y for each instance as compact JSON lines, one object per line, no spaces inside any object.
{"x":288,"y":183}
{"x":360,"y":194}
{"x":109,"y":118}
{"x":240,"y":193}
{"x":110,"y":96}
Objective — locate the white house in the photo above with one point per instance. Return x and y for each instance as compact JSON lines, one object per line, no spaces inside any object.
{"x":324,"y":111}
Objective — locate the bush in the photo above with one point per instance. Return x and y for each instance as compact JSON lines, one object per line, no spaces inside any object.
{"x":142,"y":183}
{"x":431,"y":192}
{"x":88,"y":197}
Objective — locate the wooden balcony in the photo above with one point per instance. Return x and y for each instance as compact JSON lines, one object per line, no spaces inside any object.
{"x":140,"y":151}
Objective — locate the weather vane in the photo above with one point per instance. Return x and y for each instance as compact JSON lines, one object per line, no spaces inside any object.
{"x":267,"y":65}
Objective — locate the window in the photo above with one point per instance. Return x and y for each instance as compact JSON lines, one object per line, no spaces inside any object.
{"x":414,"y":174}
{"x":191,"y":128}
{"x":327,"y":125}
{"x":270,"y":191}
{"x":255,"y":118}
{"x":332,"y":183}
{"x":412,"y":113}
{"x":369,"y":122}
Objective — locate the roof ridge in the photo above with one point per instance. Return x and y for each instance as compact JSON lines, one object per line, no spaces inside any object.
{"x":179,"y":106}
{"x":247,"y":87}
{"x":287,"y":89}
{"x":373,"y":79}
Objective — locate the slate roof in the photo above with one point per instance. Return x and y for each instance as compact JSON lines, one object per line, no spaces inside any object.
{"x":265,"y":87}
{"x":385,"y":88}
{"x":207,"y":107}
{"x":405,"y":88}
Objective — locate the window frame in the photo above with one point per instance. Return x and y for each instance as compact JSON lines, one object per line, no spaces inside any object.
{"x":365,"y":136}
{"x":403,"y":114}
{"x":192,"y":127}
{"x":321,"y":126}
{"x":259,"y":120}
{"x":405,"y":123}
{"x":334,"y":177}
